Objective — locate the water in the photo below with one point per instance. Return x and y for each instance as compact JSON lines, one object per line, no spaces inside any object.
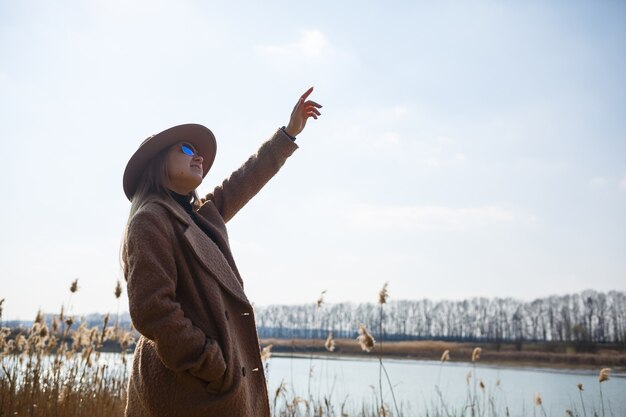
{"x":415,"y":384}
{"x":355,"y":382}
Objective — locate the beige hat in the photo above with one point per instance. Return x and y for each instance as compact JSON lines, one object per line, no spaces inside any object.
{"x":197,"y":135}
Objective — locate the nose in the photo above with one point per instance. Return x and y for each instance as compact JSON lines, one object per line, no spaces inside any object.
{"x":198,"y":159}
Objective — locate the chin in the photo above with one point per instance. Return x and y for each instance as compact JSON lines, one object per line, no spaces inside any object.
{"x":197,"y":183}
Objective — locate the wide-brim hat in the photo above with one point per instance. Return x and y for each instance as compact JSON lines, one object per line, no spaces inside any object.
{"x":197,"y":135}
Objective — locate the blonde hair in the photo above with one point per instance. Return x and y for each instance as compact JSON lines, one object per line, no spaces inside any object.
{"x":151,"y":184}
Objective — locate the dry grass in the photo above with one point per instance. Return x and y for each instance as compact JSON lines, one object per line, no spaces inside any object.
{"x":365,"y":339}
{"x":53,"y":372}
{"x":56,"y":369}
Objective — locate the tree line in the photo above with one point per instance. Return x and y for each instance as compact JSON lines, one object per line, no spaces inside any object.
{"x":586,"y":317}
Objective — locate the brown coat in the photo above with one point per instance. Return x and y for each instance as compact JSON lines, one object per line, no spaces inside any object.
{"x":199,"y":350}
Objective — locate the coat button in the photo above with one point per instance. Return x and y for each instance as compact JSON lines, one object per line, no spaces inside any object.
{"x":243,"y":370}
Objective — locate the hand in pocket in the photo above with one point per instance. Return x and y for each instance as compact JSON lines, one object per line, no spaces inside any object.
{"x":215,"y":387}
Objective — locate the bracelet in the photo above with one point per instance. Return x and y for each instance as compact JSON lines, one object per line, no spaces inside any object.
{"x":284,"y":129}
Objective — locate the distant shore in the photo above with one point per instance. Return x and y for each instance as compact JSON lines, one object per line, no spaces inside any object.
{"x":546,"y":355}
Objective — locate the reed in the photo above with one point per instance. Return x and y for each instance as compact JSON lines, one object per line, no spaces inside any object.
{"x":475,"y":357}
{"x":445,"y":357}
{"x":539,"y":403}
{"x":44,"y":375}
{"x":315,"y":326}
{"x":582,"y":402}
{"x":365,"y":339}
{"x":55,"y":368}
{"x":330,"y":343}
{"x":602,"y":377}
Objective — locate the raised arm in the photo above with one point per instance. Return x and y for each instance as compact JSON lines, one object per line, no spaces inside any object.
{"x":247,"y":181}
{"x":155,"y":313}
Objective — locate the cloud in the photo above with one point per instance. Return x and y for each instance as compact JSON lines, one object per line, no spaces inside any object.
{"x":598,"y":182}
{"x":394,"y":114}
{"x":385,"y":141}
{"x":427,"y":217}
{"x":133,"y":9}
{"x":311,"y":46}
{"x":389,"y":133}
{"x":376,"y":127}
{"x":601,"y":182}
{"x":447,"y":162}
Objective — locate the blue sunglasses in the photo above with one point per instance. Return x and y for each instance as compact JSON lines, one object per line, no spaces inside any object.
{"x":189,"y":150}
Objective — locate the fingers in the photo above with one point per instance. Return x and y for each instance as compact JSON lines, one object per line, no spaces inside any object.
{"x":305,"y":109}
{"x":312,"y":103}
{"x":306,"y":94}
{"x":298,"y":105}
{"x":303,"y":103}
{"x":308,"y":110}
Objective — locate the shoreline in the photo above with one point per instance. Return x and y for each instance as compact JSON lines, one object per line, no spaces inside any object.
{"x":615,"y":372}
{"x":532,"y":355}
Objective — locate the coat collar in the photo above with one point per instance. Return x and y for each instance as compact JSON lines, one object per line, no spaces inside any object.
{"x":174,"y":208}
{"x":210,"y":255}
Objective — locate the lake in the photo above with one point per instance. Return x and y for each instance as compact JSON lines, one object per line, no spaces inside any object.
{"x":415,"y":384}
{"x":355,"y":381}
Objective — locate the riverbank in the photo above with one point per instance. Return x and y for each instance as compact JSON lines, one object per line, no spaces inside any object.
{"x":507,"y":354}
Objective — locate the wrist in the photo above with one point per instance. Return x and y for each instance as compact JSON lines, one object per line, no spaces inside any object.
{"x":286,"y":132}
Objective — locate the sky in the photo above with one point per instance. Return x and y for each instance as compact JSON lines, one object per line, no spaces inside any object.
{"x":465,"y":149}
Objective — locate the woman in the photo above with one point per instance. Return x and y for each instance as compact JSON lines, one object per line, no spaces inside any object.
{"x":199,"y":351}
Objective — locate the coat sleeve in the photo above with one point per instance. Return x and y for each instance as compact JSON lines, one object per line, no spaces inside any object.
{"x":154,"y":310}
{"x":247,"y":181}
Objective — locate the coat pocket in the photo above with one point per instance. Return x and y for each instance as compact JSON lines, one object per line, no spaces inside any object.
{"x":215,"y":387}
{"x":212,"y":372}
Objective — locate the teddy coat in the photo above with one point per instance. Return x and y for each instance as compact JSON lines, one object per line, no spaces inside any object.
{"x":198,"y":354}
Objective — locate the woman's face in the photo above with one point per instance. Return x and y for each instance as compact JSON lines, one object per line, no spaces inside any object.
{"x":184,"y":168}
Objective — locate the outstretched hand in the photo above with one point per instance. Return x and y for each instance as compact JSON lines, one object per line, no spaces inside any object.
{"x":301,"y":112}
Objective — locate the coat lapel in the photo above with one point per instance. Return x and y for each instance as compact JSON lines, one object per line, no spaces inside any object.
{"x":210,"y":256}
